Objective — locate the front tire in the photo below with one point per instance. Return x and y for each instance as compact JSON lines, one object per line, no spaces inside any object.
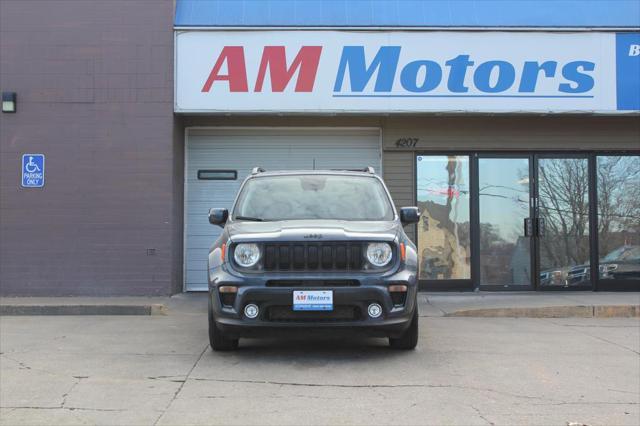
{"x":409,"y":339}
{"x":217,"y":339}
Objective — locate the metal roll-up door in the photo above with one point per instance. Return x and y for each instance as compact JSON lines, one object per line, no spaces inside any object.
{"x":218,"y":160}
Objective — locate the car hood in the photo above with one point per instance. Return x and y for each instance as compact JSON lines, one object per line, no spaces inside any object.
{"x":313,"y":230}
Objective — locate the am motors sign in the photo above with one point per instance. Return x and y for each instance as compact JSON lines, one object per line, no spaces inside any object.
{"x":395,"y":72}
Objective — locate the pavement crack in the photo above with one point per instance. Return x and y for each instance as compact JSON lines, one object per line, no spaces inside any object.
{"x":108,"y":410}
{"x":177,"y":392}
{"x":73,"y":386}
{"x":374,"y":386}
{"x":594,"y":325}
{"x":624,"y":391}
{"x":588,"y":403}
{"x":329,"y":385}
{"x":613,"y":343}
{"x":25,"y":366}
{"x":489,"y":422}
{"x":173,"y":379}
{"x":21,"y":364}
{"x":35,"y":407}
{"x":602,"y":339}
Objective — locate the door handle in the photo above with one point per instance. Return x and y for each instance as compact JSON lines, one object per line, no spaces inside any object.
{"x":528,"y":227}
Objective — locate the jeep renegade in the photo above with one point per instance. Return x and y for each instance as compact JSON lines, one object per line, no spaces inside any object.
{"x":313,"y":252}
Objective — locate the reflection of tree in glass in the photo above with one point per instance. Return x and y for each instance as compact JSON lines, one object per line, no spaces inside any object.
{"x":452,"y":248}
{"x":519,"y":197}
{"x":564,"y":205}
{"x":618,"y":202}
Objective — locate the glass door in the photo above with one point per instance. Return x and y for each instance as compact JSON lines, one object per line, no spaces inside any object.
{"x":505,"y":244}
{"x":562,"y":222}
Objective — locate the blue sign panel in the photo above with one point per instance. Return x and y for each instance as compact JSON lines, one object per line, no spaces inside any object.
{"x":628,"y":71}
{"x":33,"y":170}
{"x":410,"y":13}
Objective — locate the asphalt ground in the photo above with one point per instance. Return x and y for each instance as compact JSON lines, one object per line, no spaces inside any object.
{"x":159,"y":369}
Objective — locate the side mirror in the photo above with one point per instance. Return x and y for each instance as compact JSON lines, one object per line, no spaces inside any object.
{"x":218,"y":216}
{"x":409,"y":215}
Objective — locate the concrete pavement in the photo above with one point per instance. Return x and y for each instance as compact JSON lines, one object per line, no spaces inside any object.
{"x":480,"y":304}
{"x":532,"y":304}
{"x":465,"y":371}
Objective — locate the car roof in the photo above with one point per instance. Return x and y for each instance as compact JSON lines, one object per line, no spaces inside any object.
{"x":313,"y":172}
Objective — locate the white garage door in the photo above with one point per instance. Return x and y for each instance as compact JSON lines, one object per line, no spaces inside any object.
{"x":239,"y":150}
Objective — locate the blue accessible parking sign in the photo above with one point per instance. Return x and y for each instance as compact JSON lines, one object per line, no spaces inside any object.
{"x":33,"y":170}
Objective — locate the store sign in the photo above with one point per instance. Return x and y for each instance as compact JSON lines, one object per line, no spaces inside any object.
{"x":380,"y":72}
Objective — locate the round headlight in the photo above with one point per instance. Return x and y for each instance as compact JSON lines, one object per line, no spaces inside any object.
{"x":246,"y":255}
{"x":379,"y":254}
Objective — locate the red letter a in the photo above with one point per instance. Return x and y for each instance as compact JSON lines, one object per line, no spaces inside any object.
{"x":237,"y":77}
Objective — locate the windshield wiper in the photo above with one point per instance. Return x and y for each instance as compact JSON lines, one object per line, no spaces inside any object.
{"x":254,"y":219}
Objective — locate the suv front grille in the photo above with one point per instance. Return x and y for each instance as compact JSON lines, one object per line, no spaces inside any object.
{"x":286,"y":314}
{"x":313,"y":283}
{"x":326,"y":256}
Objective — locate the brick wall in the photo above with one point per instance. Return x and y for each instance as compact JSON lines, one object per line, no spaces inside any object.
{"x":94,"y":81}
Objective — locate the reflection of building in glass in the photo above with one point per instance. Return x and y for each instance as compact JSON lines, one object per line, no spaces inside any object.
{"x":445,"y":251}
{"x":443,"y":198}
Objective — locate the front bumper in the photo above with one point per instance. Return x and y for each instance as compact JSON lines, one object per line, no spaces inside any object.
{"x":372,"y":289}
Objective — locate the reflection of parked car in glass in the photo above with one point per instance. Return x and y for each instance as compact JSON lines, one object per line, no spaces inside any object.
{"x":622,"y":263}
{"x":552,"y":278}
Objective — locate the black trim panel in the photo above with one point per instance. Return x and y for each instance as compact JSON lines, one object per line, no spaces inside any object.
{"x":222,"y":174}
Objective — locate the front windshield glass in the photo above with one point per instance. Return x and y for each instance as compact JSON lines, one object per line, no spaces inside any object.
{"x":624,"y":253}
{"x":296,"y":197}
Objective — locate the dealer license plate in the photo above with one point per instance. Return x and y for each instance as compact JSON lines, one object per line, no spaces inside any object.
{"x":304,"y":300}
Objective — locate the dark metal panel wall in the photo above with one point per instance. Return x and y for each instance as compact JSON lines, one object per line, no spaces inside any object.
{"x":94,"y":81}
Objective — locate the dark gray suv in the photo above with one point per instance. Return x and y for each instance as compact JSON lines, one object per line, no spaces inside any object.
{"x":313,"y":252}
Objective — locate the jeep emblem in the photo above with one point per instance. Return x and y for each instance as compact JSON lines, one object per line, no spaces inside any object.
{"x":313,"y":236}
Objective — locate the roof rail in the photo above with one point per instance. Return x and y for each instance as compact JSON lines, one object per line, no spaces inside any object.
{"x":367,"y":169}
{"x":257,"y":170}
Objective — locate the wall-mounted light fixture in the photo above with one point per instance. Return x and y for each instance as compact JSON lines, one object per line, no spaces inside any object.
{"x":8,"y":101}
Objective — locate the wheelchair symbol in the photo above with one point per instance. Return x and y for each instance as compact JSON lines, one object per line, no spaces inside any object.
{"x":31,"y":167}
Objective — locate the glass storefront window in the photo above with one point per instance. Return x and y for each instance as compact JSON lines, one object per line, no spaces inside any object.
{"x":444,"y":240}
{"x":618,"y":180}
{"x":563,"y":187}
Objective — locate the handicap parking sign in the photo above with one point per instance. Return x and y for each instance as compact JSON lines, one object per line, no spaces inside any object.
{"x":33,"y":170}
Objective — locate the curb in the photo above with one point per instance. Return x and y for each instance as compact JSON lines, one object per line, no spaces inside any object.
{"x":22,"y":310}
{"x":599,"y":311}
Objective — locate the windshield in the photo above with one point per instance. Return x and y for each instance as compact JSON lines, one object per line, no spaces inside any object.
{"x":293,"y":197}
{"x":624,"y":253}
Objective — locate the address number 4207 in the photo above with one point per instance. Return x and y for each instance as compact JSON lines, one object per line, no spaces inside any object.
{"x":407,"y":142}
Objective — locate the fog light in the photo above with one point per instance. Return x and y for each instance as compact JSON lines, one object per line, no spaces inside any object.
{"x":251,"y":311}
{"x":374,"y":310}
